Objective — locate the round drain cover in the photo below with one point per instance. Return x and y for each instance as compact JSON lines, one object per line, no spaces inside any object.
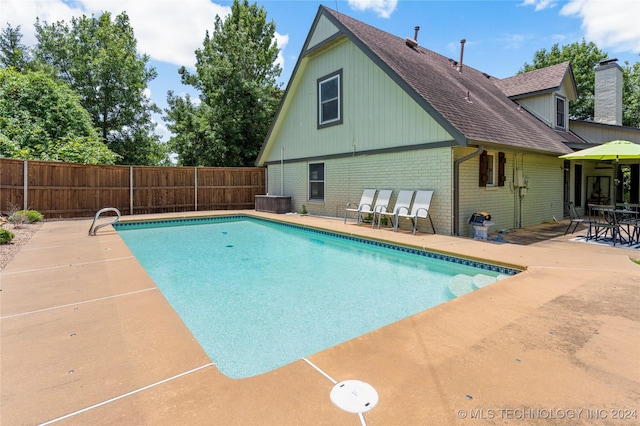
{"x":354,"y":396}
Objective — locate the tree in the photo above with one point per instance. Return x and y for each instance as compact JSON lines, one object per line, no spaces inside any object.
{"x":190,"y":125}
{"x":584,"y":58}
{"x":236,"y":74}
{"x":97,"y":57}
{"x":631,"y":95}
{"x":12,"y":52}
{"x":42,"y":119}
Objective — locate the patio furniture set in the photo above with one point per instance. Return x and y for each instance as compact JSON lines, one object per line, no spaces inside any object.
{"x":412,"y":205}
{"x":619,"y":223}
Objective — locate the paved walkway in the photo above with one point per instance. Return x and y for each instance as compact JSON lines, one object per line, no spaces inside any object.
{"x":87,"y":338}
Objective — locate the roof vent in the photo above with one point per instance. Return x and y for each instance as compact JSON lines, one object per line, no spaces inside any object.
{"x":413,"y":42}
{"x":462,"y":42}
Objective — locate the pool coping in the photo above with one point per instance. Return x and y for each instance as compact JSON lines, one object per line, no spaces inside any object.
{"x":85,"y":332}
{"x":507,"y":269}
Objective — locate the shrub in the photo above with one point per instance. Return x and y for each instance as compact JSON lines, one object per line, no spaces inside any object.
{"x":32,"y":216}
{"x":5,"y":236}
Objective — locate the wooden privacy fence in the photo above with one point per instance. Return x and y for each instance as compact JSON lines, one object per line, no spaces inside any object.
{"x":78,"y":190}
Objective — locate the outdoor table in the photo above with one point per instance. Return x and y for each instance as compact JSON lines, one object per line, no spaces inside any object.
{"x":620,"y":224}
{"x":604,"y":223}
{"x":628,"y":222}
{"x":627,"y":206}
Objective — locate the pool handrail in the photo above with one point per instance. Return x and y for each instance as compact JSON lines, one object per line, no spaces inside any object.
{"x":94,"y":229}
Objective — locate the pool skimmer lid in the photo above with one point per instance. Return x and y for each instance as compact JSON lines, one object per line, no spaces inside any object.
{"x":354,"y":396}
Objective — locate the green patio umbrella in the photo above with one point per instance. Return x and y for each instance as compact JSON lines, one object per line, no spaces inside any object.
{"x":614,"y":150}
{"x":608,"y":151}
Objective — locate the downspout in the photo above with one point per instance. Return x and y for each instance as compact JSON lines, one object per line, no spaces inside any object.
{"x":456,"y":184}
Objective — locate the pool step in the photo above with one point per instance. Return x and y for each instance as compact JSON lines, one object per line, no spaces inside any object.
{"x":463,"y":284}
{"x":482,"y":280}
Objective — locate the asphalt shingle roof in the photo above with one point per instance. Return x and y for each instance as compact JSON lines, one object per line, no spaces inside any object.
{"x":537,"y":81}
{"x":469,"y":100}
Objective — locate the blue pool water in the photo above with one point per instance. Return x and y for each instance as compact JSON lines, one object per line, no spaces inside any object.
{"x":258,"y":294}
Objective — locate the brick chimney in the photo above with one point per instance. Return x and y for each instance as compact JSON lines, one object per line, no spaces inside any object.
{"x":608,"y":93}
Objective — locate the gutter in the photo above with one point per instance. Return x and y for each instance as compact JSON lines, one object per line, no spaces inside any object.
{"x":456,"y":185}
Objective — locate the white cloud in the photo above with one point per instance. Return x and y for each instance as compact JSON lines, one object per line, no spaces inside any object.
{"x":540,"y":4}
{"x":282,"y":41}
{"x":166,"y":30}
{"x":609,"y":24}
{"x":513,"y":41}
{"x":161,"y":130}
{"x":384,"y":8}
{"x":23,"y":13}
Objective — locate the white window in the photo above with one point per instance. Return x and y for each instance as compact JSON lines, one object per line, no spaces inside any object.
{"x":316,"y":181}
{"x":560,"y":113}
{"x":491,"y":169}
{"x":330,"y":100}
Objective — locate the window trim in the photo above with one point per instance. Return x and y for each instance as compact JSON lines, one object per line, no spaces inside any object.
{"x":310,"y":181}
{"x":320,"y":81}
{"x":562,"y":113}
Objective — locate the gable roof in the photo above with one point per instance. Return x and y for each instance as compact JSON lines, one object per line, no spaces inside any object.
{"x":467,"y":104}
{"x":538,"y":81}
{"x":468,"y":100}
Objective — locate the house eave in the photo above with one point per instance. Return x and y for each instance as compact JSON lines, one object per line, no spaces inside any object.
{"x":349,"y":154}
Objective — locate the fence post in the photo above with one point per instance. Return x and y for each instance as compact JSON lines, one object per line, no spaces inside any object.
{"x":25,"y":184}
{"x":195,"y":173}
{"x":25,"y":169}
{"x":131,"y":190}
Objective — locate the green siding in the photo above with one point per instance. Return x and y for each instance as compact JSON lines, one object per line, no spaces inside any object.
{"x":377,"y":114}
{"x":323,"y":30}
{"x":345,"y":179}
{"x":542,"y":202}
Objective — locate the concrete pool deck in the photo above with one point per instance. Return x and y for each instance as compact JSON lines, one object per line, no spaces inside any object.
{"x":87,"y":338}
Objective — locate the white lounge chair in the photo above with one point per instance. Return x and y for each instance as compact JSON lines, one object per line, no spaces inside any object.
{"x":365,"y":205}
{"x":419,"y":210}
{"x":382,"y":203}
{"x":403,"y":202}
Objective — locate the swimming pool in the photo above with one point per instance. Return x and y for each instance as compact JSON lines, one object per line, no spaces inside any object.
{"x":259,"y":294}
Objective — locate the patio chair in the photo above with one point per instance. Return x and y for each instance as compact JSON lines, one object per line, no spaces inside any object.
{"x":403,"y":202}
{"x":574,"y":218}
{"x":605,"y":223}
{"x":419,"y":210}
{"x":382,"y":203}
{"x":365,"y":206}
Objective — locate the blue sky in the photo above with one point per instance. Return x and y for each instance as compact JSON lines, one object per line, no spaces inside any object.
{"x":501,"y":34}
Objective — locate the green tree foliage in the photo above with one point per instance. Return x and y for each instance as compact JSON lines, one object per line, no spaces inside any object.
{"x":193,"y":139}
{"x":42,"y":119}
{"x":97,"y":57}
{"x":631,"y":95}
{"x":236,"y":74}
{"x":584,"y":58}
{"x":12,"y":52}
